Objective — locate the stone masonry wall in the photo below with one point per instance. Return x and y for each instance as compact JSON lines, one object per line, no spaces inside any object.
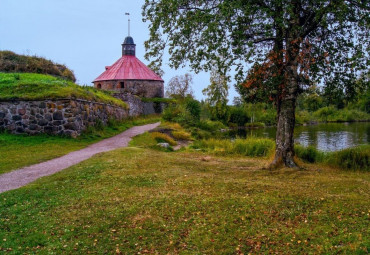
{"x":64,"y":116}
{"x":140,"y":88}
{"x":137,"y":107}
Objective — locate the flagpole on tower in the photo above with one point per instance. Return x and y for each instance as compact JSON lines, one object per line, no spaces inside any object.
{"x":128,"y":22}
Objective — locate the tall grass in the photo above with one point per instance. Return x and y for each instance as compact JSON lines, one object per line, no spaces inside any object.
{"x":253,"y":147}
{"x":357,"y":158}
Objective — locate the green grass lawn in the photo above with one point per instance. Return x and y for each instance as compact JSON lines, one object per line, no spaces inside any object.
{"x":32,"y":86}
{"x":143,"y":201}
{"x":22,"y":150}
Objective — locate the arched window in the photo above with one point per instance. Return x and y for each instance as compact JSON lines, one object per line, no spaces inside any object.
{"x":98,"y":86}
{"x":121,"y":85}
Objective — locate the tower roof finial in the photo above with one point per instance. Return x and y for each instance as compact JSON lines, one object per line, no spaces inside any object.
{"x":128,"y":14}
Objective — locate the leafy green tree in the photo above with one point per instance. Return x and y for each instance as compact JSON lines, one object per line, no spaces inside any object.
{"x":293,"y":44}
{"x":217,"y":93}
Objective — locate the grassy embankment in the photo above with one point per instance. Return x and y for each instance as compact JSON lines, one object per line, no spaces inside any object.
{"x":31,"y":86}
{"x":143,"y":201}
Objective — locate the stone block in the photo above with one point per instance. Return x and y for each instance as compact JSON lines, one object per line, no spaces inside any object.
{"x":58,"y":115}
{"x":22,"y":111}
{"x":49,"y":117}
{"x":20,"y":129}
{"x":16,"y":117}
{"x":71,"y":126}
{"x":43,"y":122}
{"x":57,"y":122}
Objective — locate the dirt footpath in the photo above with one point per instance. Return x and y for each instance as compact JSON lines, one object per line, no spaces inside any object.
{"x":23,"y":176}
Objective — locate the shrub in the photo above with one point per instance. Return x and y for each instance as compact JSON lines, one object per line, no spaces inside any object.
{"x":323,"y":113}
{"x":172,"y":112}
{"x":302,"y":117}
{"x":238,"y":116}
{"x":193,"y":108}
{"x":181,"y":135}
{"x":210,"y":125}
{"x":163,"y":138}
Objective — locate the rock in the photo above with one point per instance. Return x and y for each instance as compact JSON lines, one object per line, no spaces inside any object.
{"x":21,"y":111}
{"x":32,"y":127}
{"x":71,"y":126}
{"x":43,"y":122}
{"x":16,"y":117}
{"x":164,"y":145}
{"x":42,"y":105}
{"x":70,"y":133}
{"x":57,"y":122}
{"x":2,"y":115}
{"x":20,"y":130}
{"x":58,"y":115}
{"x":48,"y":117}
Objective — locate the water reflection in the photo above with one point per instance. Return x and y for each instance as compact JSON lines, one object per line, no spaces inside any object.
{"x":325,"y":137}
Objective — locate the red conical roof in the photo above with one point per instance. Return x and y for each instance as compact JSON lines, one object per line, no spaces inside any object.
{"x":128,"y":68}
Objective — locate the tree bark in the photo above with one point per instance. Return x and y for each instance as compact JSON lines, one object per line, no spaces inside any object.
{"x":284,"y":152}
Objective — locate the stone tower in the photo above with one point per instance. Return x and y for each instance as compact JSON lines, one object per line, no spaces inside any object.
{"x":129,"y":75}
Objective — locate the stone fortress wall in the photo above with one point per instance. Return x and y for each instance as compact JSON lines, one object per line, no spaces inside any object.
{"x":63,"y":116}
{"x":142,"y":88}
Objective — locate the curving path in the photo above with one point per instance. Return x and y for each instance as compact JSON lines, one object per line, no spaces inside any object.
{"x":23,"y":176}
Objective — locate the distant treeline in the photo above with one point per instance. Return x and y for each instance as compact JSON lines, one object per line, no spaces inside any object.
{"x":11,"y":62}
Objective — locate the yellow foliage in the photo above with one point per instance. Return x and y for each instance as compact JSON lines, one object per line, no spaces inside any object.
{"x":181,"y":135}
{"x":160,"y":137}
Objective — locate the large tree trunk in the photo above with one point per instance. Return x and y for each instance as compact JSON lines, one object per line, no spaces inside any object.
{"x":286,"y":104}
{"x":284,"y":152}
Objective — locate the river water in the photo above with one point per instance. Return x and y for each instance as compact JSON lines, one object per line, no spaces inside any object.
{"x":325,"y":136}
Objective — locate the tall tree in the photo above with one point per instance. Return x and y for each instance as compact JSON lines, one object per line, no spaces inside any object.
{"x":292,"y":43}
{"x":180,"y":86}
{"x":217,"y":93}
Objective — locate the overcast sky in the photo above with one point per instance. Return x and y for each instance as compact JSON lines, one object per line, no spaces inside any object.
{"x":85,"y":35}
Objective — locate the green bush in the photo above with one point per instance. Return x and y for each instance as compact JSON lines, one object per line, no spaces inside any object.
{"x":193,"y":107}
{"x":324,"y":113}
{"x":210,"y":125}
{"x":302,"y":117}
{"x":238,"y":116}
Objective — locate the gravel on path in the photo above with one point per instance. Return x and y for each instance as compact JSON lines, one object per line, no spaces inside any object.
{"x":23,"y":176}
